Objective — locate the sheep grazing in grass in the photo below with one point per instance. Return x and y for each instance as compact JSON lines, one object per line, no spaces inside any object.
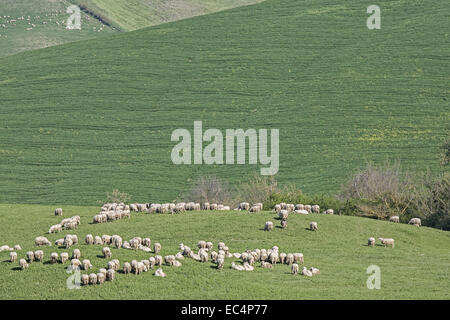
{"x":39,"y":255}
{"x":152,"y":261}
{"x":68,"y":243}
{"x":371,"y":242}
{"x":156,"y":247}
{"x":42,"y":241}
{"x":89,"y":239}
{"x":263,"y":255}
{"x":86,"y":264}
{"x":214,"y":256}
{"x":59,"y":242}
{"x":237,"y":267}
{"x":106,"y":252}
{"x":116,"y":241}
{"x":277,"y":208}
{"x":92,"y":278}
{"x":220,"y":262}
{"x":255,"y":209}
{"x":201,"y":244}
{"x":248,"y":267}
{"x":205,"y":206}
{"x":55,"y":228}
{"x":266,"y":265}
{"x":158,"y":260}
{"x":110,"y":275}
{"x":103,"y":270}
{"x":290,"y":207}
{"x":116,"y":264}
{"x":54,"y":257}
{"x":299,"y":207}
{"x":58,"y":212}
{"x":17,"y":247}
{"x":220,"y":246}
{"x":76,"y":254}
{"x":306,"y":272}
{"x":283,"y":224}
{"x":147,"y":242}
{"x":209,"y":245}
{"x":268,"y":226}
{"x":106,"y":239}
{"x":298,"y":257}
{"x":126,"y":268}
{"x":308,"y":208}
{"x":169,"y":260}
{"x":244,"y":206}
{"x":146,"y":264}
{"x":98,"y":240}
{"x":294,"y":268}
{"x":394,"y":219}
{"x":100,"y":278}
{"x":415,"y":221}
{"x":84,"y":279}
{"x":64,"y":257}
{"x":290,"y":258}
{"x":160,"y":273}
{"x":314,"y":271}
{"x":177,"y":263}
{"x":283,"y":214}
{"x":12,"y":257}
{"x":273,"y":257}
{"x":75,"y":263}
{"x":179,"y":256}
{"x":301,"y":211}
{"x":315,"y":208}
{"x":203,"y":255}
{"x":387,"y":242}
{"x":329,"y":211}
{"x":23,"y":264}
{"x":313,"y":226}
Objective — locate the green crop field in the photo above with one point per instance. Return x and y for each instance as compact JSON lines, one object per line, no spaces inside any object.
{"x":80,"y":119}
{"x":130,"y":15}
{"x":27,"y":25}
{"x":417,"y":268}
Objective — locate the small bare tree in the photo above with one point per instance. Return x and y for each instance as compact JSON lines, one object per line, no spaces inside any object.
{"x":209,"y":189}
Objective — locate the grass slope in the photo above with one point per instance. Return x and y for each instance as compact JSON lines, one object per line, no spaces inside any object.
{"x":417,"y":268}
{"x":80,"y":119}
{"x":43,"y":25}
{"x":136,"y":14}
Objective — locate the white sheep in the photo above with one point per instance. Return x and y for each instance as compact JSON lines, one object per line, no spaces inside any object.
{"x":294,"y":268}
{"x":329,"y":211}
{"x":84,"y":279}
{"x":315,"y":208}
{"x":394,"y":219}
{"x":387,"y":242}
{"x":126,"y":268}
{"x":313,"y":225}
{"x":290,"y":258}
{"x":100,"y":278}
{"x":157,"y":247}
{"x":98,"y":240}
{"x":59,"y":242}
{"x":12,"y":256}
{"x":160,"y":273}
{"x":371,"y":242}
{"x":237,"y":267}
{"x":93,"y":278}
{"x":89,"y":239}
{"x":268,"y":226}
{"x":23,"y":264}
{"x":42,"y":241}
{"x":314,"y":271}
{"x":76,"y":254}
{"x":302,"y":211}
{"x":110,"y":275}
{"x":152,"y":261}
{"x":64,"y":257}
{"x":283,"y":214}
{"x":39,"y":255}
{"x":308,"y":208}
{"x":55,"y":228}
{"x":106,"y":252}
{"x":86,"y":264}
{"x":298,"y":257}
{"x":106,"y":239}
{"x":415,"y":221}
{"x":306,"y":272}
{"x":248,"y":267}
{"x":17,"y":247}
{"x":220,"y":262}
{"x":266,"y":265}
{"x":58,"y":212}
{"x":75,"y":263}
{"x":54,"y":257}
{"x":147,"y":242}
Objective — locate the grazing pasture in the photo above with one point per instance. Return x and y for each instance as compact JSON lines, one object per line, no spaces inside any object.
{"x":83,"y":118}
{"x":417,"y":268}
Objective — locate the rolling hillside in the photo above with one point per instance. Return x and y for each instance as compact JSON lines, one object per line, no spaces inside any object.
{"x":417,"y":268}
{"x":130,"y":15}
{"x":27,"y":25}
{"x":81,"y":119}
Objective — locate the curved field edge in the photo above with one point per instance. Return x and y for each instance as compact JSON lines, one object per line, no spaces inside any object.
{"x":417,"y":268}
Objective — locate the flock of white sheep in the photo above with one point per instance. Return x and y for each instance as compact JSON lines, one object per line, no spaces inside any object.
{"x":267,"y":258}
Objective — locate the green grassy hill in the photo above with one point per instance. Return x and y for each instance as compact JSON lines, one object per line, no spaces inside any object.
{"x":26,"y":25}
{"x":417,"y":268}
{"x":136,"y":14}
{"x":83,"y":118}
